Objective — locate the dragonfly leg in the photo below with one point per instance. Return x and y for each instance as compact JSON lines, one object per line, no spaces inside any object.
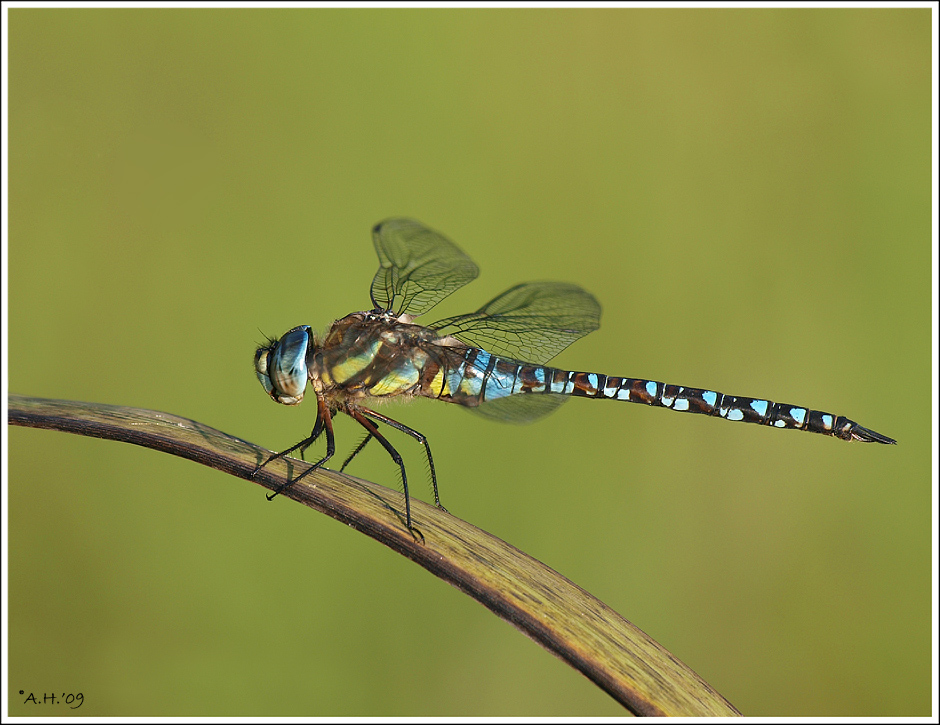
{"x":311,"y":439}
{"x":324,"y":423}
{"x":357,"y":415}
{"x":418,"y":437}
{"x":356,"y":452}
{"x":302,"y":445}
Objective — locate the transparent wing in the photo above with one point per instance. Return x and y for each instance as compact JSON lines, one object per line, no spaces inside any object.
{"x":520,"y":408}
{"x":418,"y":267}
{"x":530,"y":322}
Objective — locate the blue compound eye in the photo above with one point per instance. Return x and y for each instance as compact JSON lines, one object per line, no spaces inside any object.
{"x":282,"y":367}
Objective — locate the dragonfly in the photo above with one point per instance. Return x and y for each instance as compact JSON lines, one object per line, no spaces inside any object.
{"x":492,"y":361}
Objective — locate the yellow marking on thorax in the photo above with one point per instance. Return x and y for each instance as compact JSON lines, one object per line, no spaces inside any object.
{"x":398,"y":381}
{"x":353,"y":365}
{"x":402,"y":379}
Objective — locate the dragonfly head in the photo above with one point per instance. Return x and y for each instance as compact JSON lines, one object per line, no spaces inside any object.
{"x":282,"y":366}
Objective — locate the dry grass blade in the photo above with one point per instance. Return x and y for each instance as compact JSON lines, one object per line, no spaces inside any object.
{"x":559,"y":615}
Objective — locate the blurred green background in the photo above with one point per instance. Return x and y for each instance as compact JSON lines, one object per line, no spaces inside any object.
{"x":747,"y":193}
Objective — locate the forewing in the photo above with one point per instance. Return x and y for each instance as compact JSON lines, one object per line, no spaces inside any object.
{"x":531,"y":322}
{"x":418,"y":267}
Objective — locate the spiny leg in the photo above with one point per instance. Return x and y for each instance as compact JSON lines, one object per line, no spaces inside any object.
{"x":356,"y":415}
{"x":324,"y":423}
{"x":312,"y":439}
{"x":302,"y":445}
{"x":418,"y":437}
{"x":355,"y":452}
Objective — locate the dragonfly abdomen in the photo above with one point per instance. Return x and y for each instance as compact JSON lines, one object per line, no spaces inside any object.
{"x":482,"y":377}
{"x":729,"y":407}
